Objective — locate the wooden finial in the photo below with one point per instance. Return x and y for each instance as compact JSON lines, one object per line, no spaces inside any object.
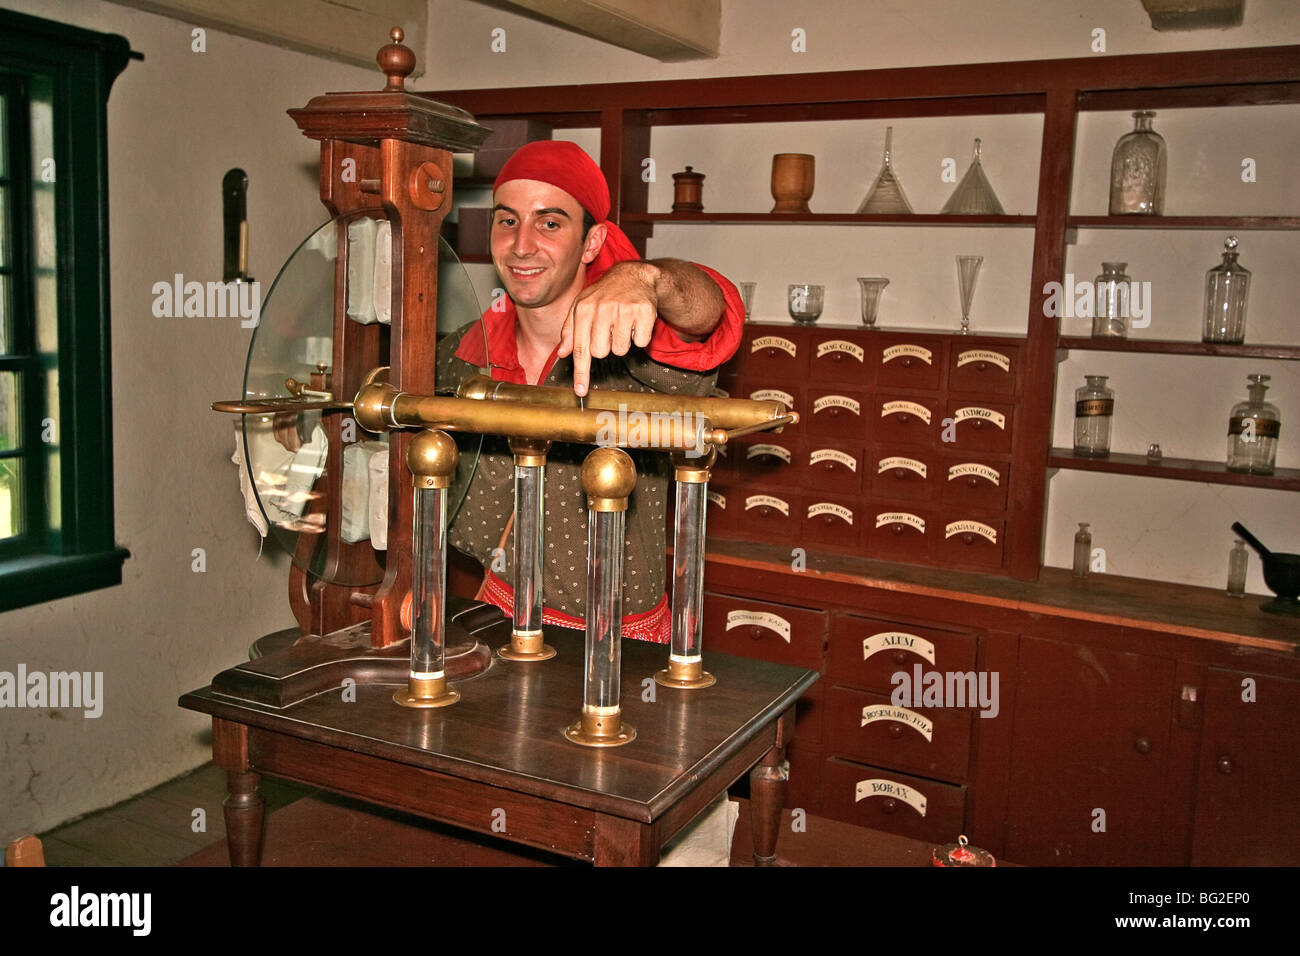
{"x":397,"y":61}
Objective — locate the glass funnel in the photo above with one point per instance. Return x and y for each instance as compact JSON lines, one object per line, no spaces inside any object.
{"x":968,"y":271}
{"x":974,"y":195}
{"x":886,"y":195}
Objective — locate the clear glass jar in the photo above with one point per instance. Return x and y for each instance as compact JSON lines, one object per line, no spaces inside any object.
{"x":1137,"y":170}
{"x":1110,"y":311}
{"x":1082,"y":550}
{"x":1094,"y":406}
{"x":1238,"y":560}
{"x":1253,"y":429}
{"x":1227,"y":287}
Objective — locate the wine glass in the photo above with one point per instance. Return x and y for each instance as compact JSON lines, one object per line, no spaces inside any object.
{"x":872,"y":287}
{"x":968,"y":270}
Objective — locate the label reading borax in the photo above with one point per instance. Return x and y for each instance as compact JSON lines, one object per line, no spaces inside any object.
{"x":826,"y":508}
{"x":900,"y":517}
{"x":837,"y":401}
{"x":889,"y":788}
{"x":759,"y":501}
{"x":971,"y":527}
{"x":892,"y":640}
{"x":911,"y":464}
{"x":776,"y":451}
{"x":773,"y":342}
{"x":900,"y":408}
{"x":983,"y":414}
{"x":902,"y":715}
{"x":899,"y":351}
{"x":776,"y":624}
{"x":839,"y":345}
{"x":984,"y":355}
{"x":832,"y":454}
{"x":974,"y":468}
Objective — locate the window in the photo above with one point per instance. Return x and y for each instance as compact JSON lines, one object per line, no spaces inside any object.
{"x":56,"y":474}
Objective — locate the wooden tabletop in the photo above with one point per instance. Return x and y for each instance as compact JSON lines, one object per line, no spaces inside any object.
{"x":506,"y":730}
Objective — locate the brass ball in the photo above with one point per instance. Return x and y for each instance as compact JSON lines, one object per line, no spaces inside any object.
{"x":608,"y":473}
{"x":432,"y":454}
{"x":478,"y":387}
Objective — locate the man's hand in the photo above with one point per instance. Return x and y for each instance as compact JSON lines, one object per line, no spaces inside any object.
{"x":620,"y":310}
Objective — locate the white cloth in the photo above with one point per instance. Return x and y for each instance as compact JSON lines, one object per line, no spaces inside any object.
{"x":252,"y":511}
{"x":356,"y":488}
{"x":361,"y":270}
{"x":707,"y":841}
{"x":379,"y":501}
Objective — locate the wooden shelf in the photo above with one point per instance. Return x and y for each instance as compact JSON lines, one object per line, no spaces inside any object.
{"x":1168,"y":347}
{"x":825,"y":219}
{"x":1182,"y":222}
{"x":1177,"y":469}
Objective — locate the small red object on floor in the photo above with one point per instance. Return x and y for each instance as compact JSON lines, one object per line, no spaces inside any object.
{"x":962,"y":854}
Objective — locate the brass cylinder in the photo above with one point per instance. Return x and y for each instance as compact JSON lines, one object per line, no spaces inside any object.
{"x":432,"y":457}
{"x":608,"y":477}
{"x":596,"y":729}
{"x":530,"y":452}
{"x":426,"y":692}
{"x":694,"y":470}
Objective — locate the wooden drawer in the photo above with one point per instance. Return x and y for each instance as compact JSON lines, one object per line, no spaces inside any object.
{"x":979,"y":425}
{"x":891,"y":801}
{"x":933,"y":741}
{"x":898,"y":532}
{"x":766,"y":460}
{"x":838,"y":357}
{"x":729,"y":374}
{"x":984,"y":369}
{"x":972,"y":482}
{"x":833,"y":521}
{"x":971,"y":541}
{"x":768,"y":515}
{"x":779,"y":353}
{"x":901,"y":473}
{"x":810,"y":716}
{"x":907,"y":361}
{"x":897,"y":419}
{"x":865,"y":653}
{"x":833,"y":467}
{"x":720,"y":510}
{"x":770,"y":632}
{"x":834,"y":413}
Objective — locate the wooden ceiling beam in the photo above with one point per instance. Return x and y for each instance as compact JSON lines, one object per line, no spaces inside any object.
{"x":667,"y":30}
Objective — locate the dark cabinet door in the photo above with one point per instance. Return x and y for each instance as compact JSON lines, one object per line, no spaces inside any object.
{"x":1090,"y":750}
{"x":1248,"y":781}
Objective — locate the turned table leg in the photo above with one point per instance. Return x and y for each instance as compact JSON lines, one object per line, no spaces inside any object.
{"x":243,"y":805}
{"x":767,"y":793}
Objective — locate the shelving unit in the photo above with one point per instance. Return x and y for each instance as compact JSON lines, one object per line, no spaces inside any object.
{"x":1085,"y":343}
{"x":1177,"y":469}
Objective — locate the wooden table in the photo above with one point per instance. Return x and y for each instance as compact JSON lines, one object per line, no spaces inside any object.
{"x":497,"y":762}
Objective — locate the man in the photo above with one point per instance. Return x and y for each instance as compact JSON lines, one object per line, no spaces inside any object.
{"x":584,"y":310}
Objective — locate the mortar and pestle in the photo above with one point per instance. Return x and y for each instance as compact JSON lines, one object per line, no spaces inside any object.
{"x":1281,"y":574}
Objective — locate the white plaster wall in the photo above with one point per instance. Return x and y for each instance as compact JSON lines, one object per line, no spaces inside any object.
{"x":177,"y":122}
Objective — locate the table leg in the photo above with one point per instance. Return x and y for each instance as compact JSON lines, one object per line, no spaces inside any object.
{"x":620,"y":842}
{"x":767,"y":799}
{"x":243,"y":805}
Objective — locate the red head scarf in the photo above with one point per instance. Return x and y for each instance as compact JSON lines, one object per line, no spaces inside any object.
{"x":567,"y":166}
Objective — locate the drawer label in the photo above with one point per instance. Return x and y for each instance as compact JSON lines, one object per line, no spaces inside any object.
{"x":841,"y":346}
{"x":717,"y":498}
{"x":773,"y":395}
{"x":974,"y":468}
{"x":911,"y":464}
{"x":900,"y":408}
{"x":826,"y":508}
{"x":983,"y":414}
{"x":1094,"y":406}
{"x":773,"y":342}
{"x":759,"y":501}
{"x":773,"y":622}
{"x":901,"y":715}
{"x":889,"y":788}
{"x":971,"y":527}
{"x":833,"y":454}
{"x":984,"y":355}
{"x":900,"y":517}
{"x":716,"y":392}
{"x":837,"y":401}
{"x":891,"y":640}
{"x":899,"y":351}
{"x":776,"y":451}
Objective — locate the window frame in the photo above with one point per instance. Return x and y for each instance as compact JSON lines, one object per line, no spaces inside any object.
{"x":81,"y":555}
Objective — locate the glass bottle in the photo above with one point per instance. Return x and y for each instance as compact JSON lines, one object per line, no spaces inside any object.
{"x":1137,"y":170}
{"x":1082,"y":550}
{"x":1238,"y":558}
{"x":1094,"y":405}
{"x":1227,"y":287}
{"x":1110,"y":314}
{"x":1253,"y":431}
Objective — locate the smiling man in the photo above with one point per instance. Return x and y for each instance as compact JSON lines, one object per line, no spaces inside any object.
{"x":583,"y":310}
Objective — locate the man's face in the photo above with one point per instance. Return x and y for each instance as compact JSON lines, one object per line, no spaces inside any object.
{"x":537,"y":243}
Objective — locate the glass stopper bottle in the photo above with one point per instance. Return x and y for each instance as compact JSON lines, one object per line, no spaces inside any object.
{"x":1253,"y":430}
{"x":1227,"y":287}
{"x":1094,"y":406}
{"x":1110,"y":312}
{"x":1082,"y":550}
{"x":1137,"y":170}
{"x":1238,"y":559}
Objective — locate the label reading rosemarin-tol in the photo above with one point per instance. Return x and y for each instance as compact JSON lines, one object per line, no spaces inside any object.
{"x":773,"y":395}
{"x":833,"y":454}
{"x":773,"y":342}
{"x":903,"y":408}
{"x":900,"y":517}
{"x":827,"y":508}
{"x":760,"y":501}
{"x":775,"y":451}
{"x":984,"y":355}
{"x":902,"y":715}
{"x":897,"y":640}
{"x":842,"y":347}
{"x":837,"y":401}
{"x":911,"y":464}
{"x":971,"y":527}
{"x":901,"y":351}
{"x":890,"y":788}
{"x":974,"y":468}
{"x":774,"y":623}
{"x":983,"y":414}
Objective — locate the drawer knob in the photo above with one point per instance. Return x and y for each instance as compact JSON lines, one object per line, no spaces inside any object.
{"x":828,"y":466}
{"x":889,"y":806}
{"x":1224,"y":765}
{"x":907,"y":361}
{"x":828,"y":520}
{"x":898,"y":528}
{"x":834,"y":413}
{"x":900,"y":657}
{"x":755,"y":633}
{"x":764,"y":511}
{"x":1142,"y":745}
{"x":981,"y":366}
{"x":972,"y":481}
{"x":900,"y":473}
{"x":904,"y":418}
{"x":977,"y":424}
{"x":968,"y":539}
{"x":895,"y":731}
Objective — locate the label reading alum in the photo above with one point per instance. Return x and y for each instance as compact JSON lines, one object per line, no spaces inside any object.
{"x":890,"y":640}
